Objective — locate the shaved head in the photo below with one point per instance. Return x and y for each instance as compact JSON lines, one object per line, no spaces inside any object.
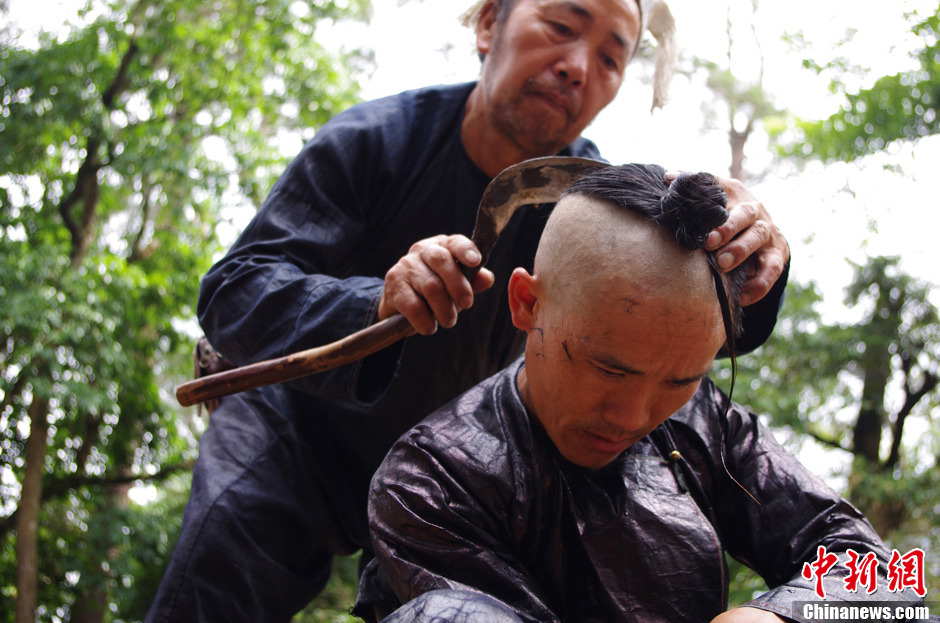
{"x":591,"y":246}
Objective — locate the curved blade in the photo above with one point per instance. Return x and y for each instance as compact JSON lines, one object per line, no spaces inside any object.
{"x":534,"y":181}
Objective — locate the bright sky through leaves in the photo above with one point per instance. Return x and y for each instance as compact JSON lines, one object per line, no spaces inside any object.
{"x":828,"y":212}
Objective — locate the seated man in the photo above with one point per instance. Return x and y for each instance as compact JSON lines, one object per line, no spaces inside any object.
{"x":603,"y":476}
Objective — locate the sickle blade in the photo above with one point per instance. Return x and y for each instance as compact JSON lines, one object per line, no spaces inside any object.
{"x":534,"y":181}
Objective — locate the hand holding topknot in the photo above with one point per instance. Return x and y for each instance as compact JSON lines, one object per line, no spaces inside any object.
{"x":749,"y":231}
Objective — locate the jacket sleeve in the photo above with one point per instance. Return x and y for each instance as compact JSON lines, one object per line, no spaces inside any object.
{"x":795,"y":514}
{"x":430,"y":532}
{"x":759,"y":319}
{"x":286,"y":283}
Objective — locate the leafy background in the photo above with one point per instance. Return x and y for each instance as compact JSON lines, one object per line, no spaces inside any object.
{"x":135,"y":137}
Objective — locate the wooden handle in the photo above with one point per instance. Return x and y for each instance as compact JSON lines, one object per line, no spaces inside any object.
{"x":289,"y":367}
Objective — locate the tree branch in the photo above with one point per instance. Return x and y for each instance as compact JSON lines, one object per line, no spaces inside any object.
{"x":146,"y":208}
{"x":828,"y":441}
{"x":121,"y":79}
{"x":911,"y":398}
{"x":58,"y":487}
{"x":86,"y":180}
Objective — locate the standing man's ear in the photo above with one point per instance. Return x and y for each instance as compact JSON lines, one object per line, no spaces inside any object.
{"x":486,"y":27}
{"x":523,"y":299}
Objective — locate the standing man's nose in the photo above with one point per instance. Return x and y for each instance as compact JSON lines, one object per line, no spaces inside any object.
{"x":572,"y":68}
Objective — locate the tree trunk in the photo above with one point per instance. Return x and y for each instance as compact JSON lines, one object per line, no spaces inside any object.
{"x":90,"y":606}
{"x":882,"y":332}
{"x":27,"y":518}
{"x":737,"y":141}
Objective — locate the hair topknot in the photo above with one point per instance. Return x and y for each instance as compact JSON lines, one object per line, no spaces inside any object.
{"x":692,"y":206}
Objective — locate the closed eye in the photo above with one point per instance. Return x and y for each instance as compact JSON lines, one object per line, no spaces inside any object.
{"x":684,"y":383}
{"x":608,"y":372}
{"x":561,"y":29}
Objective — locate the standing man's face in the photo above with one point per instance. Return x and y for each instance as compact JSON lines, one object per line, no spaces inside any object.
{"x":553,"y":65}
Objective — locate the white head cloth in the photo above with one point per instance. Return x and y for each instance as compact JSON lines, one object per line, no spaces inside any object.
{"x":656,"y":17}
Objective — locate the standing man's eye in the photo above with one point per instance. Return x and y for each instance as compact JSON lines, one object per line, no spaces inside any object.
{"x":561,"y":29}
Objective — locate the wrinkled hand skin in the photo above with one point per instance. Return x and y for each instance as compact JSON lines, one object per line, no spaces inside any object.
{"x":747,"y":615}
{"x":426,"y":285}
{"x":749,"y":231}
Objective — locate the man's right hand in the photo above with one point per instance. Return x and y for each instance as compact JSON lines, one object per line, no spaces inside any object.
{"x":426,"y":285}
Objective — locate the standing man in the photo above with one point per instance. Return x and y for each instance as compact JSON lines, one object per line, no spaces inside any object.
{"x":369,"y":220}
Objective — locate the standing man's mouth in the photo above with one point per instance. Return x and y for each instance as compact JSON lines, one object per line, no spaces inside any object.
{"x":558,"y":99}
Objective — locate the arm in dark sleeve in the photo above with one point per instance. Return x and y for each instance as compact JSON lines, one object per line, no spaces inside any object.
{"x":285,"y":285}
{"x":438,"y":525}
{"x":759,"y":319}
{"x":797,"y":514}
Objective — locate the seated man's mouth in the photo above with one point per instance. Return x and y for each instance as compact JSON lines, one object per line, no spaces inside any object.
{"x":607,"y":444}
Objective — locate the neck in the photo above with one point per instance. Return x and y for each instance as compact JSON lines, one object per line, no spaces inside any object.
{"x":522,"y":384}
{"x":489,"y":148}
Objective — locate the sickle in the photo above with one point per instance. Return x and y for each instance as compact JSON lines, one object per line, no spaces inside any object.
{"x":535,"y":181}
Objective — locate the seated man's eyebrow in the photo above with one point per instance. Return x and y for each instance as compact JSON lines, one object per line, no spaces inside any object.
{"x":613,"y":364}
{"x":620,"y":367}
{"x":688,"y":380}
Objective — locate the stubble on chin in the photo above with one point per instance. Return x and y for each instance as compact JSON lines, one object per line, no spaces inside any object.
{"x":535,"y":133}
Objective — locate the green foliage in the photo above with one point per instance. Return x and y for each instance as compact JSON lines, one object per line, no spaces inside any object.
{"x":334,"y":603}
{"x":795,"y":376}
{"x":820,"y":379}
{"x":122,"y":141}
{"x":739,"y":95}
{"x":809,"y":374}
{"x":902,"y":106}
{"x":743,"y":583}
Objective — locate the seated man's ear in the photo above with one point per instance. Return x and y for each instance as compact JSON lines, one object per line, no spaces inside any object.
{"x":523,"y":299}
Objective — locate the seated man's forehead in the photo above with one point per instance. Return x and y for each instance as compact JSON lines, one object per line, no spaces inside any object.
{"x":592,"y":239}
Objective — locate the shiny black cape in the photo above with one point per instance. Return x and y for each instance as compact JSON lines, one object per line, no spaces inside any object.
{"x":477,"y":496}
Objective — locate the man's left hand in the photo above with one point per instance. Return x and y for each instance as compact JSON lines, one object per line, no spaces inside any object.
{"x":747,"y":615}
{"x":749,"y":231}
